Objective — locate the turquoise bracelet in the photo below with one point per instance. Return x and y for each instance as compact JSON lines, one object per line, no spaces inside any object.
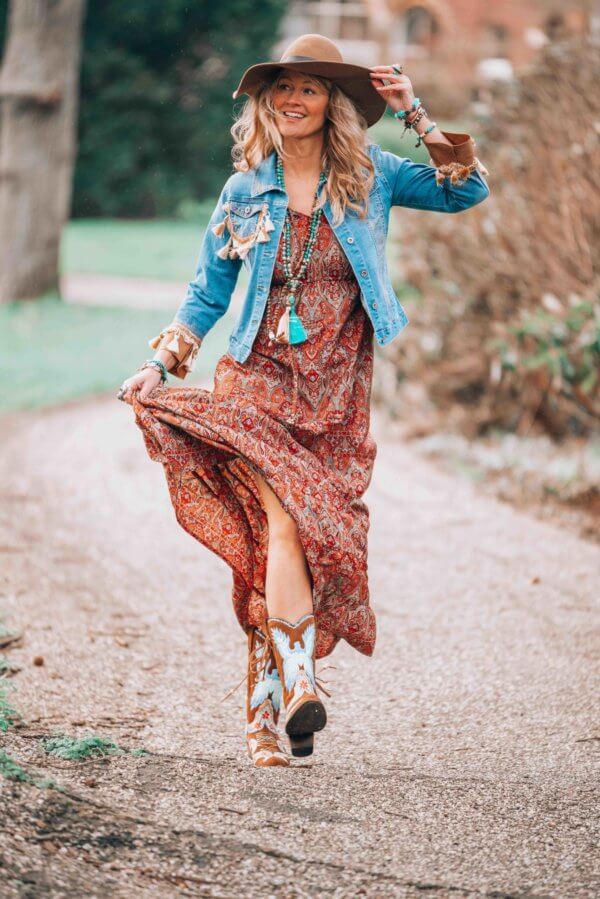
{"x":156,"y":363}
{"x":402,"y":113}
{"x":428,"y":130}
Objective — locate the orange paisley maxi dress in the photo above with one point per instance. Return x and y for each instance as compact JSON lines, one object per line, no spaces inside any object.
{"x":299,"y":415}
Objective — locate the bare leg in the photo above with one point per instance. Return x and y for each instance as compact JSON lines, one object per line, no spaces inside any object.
{"x":288,"y":584}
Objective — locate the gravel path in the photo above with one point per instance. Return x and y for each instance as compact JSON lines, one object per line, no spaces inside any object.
{"x":458,"y":761}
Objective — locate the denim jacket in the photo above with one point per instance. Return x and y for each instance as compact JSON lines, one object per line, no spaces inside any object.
{"x":247,"y":223}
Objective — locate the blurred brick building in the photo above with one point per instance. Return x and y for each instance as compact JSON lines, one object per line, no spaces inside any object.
{"x":452,"y":44}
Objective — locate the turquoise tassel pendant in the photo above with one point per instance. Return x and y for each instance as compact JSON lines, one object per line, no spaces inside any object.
{"x":297,"y":332}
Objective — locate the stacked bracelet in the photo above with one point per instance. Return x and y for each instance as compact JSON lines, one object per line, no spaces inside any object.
{"x":402,"y":113}
{"x":420,"y":113}
{"x":156,"y":363}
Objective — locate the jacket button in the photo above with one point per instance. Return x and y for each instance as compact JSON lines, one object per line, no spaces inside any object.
{"x":350,"y":240}
{"x":247,"y":210}
{"x":364,"y":273}
{"x":373,"y":305}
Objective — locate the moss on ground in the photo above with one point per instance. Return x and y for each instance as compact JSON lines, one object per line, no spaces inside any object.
{"x":74,"y":749}
{"x":8,"y":715}
{"x":86,"y":747}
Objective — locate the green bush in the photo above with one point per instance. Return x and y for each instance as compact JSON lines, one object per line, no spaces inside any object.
{"x":156,"y":106}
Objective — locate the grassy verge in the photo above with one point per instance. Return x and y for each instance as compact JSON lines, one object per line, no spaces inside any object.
{"x":160,"y":250}
{"x":51,"y":352}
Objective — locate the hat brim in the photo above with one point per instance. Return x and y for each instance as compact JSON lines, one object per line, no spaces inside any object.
{"x":353,"y":80}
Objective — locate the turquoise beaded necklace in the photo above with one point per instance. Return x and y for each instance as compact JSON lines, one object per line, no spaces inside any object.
{"x":290,"y":329}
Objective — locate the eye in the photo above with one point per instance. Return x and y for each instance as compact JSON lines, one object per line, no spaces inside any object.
{"x":310,"y":89}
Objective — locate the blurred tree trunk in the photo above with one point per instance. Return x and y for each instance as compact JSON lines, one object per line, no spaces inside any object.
{"x":38,"y":103}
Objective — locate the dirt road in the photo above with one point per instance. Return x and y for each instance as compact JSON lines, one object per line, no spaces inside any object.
{"x":459,"y":760}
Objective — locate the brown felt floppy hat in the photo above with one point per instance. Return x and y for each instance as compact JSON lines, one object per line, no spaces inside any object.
{"x":317,"y":55}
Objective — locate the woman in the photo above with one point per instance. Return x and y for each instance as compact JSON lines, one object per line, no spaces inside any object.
{"x":268,"y":470}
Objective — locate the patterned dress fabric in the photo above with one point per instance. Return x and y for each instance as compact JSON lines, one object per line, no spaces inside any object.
{"x":299,"y":415}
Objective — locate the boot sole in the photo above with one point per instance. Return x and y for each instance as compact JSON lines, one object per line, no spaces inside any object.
{"x":301,"y":727}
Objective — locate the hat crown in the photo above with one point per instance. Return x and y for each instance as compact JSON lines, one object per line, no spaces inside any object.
{"x":312,"y":46}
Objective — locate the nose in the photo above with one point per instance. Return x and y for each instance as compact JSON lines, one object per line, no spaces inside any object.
{"x":296,"y":95}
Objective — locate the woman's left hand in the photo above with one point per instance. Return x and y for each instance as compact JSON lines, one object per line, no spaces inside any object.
{"x":399,"y":94}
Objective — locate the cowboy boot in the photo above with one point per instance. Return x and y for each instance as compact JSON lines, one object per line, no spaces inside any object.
{"x":294,"y":651}
{"x":263,"y":704}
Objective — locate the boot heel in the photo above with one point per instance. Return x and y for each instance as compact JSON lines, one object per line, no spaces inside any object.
{"x":302,"y":745}
{"x":308,"y":718}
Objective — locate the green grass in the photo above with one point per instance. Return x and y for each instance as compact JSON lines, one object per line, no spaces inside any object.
{"x":72,"y":749}
{"x":160,"y":250}
{"x":52,"y":352}
{"x":11,"y":770}
{"x":87,"y":747}
{"x":8,"y":715}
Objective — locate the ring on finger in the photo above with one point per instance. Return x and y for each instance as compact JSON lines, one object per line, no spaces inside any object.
{"x":397,"y":69}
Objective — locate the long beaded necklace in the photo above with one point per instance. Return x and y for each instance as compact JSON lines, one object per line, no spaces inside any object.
{"x":290,"y":329}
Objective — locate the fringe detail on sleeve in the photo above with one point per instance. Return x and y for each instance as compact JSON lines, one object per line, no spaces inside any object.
{"x":457,"y":172}
{"x":182,"y":343}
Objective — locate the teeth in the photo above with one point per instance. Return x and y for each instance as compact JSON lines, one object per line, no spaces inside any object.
{"x":294,"y":115}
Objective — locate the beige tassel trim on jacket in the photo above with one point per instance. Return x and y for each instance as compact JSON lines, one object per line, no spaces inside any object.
{"x":238,"y":246}
{"x":182,"y":343}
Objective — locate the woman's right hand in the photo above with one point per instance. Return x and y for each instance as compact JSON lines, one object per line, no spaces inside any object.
{"x":142,"y":383}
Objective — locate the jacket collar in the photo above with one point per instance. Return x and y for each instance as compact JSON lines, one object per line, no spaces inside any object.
{"x":265,"y":175}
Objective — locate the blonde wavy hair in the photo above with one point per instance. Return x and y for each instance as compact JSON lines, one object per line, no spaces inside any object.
{"x":346,"y":160}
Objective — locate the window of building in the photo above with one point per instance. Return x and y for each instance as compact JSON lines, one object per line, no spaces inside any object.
{"x":420,"y":26}
{"x":337,"y":19}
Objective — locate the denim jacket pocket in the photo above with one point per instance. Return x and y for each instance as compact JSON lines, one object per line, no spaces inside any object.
{"x":247,"y":223}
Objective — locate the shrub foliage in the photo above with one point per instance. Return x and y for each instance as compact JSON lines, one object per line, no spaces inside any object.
{"x":508,"y":324}
{"x":156,"y":105}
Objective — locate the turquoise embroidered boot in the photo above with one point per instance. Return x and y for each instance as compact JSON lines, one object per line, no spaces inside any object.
{"x":263,"y":704}
{"x":294,"y":651}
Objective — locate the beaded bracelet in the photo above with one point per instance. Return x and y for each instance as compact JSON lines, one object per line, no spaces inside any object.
{"x":428,"y":130}
{"x":156,"y":363}
{"x":402,"y":113}
{"x":420,"y":113}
